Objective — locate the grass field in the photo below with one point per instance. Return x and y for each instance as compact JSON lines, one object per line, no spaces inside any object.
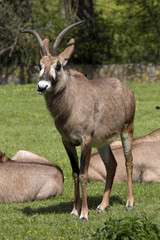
{"x":26,"y":124}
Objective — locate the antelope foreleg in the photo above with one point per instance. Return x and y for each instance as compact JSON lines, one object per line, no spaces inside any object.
{"x":85,"y":158}
{"x":77,"y":204}
{"x":71,"y":151}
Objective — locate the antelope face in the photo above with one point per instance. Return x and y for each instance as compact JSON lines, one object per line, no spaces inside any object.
{"x":51,"y":64}
{"x":50,"y":68}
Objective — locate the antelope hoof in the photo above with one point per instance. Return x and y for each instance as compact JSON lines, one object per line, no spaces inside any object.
{"x":129,"y":208}
{"x":83,"y":219}
{"x":101,"y":209}
{"x":74,"y":213}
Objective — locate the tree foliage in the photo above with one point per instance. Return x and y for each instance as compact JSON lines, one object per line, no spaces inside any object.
{"x":12,"y":18}
{"x":117,"y":31}
{"x":140,"y":30}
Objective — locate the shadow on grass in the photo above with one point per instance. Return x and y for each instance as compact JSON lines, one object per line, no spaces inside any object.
{"x":66,"y":207}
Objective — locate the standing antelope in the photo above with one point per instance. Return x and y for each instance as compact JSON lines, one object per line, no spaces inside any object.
{"x":87,"y":113}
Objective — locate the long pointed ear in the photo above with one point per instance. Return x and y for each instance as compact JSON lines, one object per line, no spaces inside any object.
{"x":46,"y":44}
{"x":66,"y":54}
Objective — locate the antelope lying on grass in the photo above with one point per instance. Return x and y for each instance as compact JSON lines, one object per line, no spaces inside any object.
{"x":151,"y":137}
{"x":28,"y":177}
{"x":146,"y":154}
{"x":87,"y":113}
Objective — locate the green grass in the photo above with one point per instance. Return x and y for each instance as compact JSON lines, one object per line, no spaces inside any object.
{"x":26,"y":124}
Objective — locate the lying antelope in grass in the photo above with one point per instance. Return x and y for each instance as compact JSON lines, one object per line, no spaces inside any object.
{"x":28,"y":177}
{"x":146,"y":154}
{"x":87,"y":113}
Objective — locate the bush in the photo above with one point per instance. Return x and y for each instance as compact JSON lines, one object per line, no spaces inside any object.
{"x":128,"y":229}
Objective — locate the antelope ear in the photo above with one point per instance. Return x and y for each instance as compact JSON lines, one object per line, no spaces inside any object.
{"x":66,"y":54}
{"x":46,"y":44}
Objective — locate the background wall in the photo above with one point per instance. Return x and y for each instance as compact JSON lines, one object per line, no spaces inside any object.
{"x":125,"y":72}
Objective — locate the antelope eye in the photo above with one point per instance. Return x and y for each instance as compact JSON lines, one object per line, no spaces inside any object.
{"x":58,"y":67}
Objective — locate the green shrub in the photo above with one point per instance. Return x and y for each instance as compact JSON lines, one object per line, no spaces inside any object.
{"x":128,"y":229}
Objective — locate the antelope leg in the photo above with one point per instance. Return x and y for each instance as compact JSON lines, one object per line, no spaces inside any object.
{"x":72,"y":154}
{"x":110,"y":164}
{"x":85,"y":158}
{"x":127,"y":138}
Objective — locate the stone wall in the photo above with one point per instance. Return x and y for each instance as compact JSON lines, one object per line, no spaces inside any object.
{"x":125,"y":72}
{"x":19,"y":75}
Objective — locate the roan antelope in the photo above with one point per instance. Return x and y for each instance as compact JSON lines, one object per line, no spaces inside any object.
{"x":28,"y":177}
{"x":87,"y":113}
{"x":146,"y":154}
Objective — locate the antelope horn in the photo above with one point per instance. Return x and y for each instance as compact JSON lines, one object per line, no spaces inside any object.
{"x":43,"y":50}
{"x":61,"y":35}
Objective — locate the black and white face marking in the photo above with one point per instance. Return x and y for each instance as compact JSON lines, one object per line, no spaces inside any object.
{"x":43,"y":84}
{"x":58,"y":67}
{"x":47,"y":78}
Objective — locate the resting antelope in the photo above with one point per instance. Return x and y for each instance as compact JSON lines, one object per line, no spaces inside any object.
{"x":146,"y":154}
{"x":28,"y":177}
{"x":87,"y":113}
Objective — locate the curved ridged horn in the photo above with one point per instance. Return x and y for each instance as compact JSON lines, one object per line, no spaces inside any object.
{"x":43,"y":50}
{"x":61,"y":35}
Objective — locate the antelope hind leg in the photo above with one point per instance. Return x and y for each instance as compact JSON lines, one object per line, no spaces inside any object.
{"x":127,"y":139}
{"x":110,"y":164}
